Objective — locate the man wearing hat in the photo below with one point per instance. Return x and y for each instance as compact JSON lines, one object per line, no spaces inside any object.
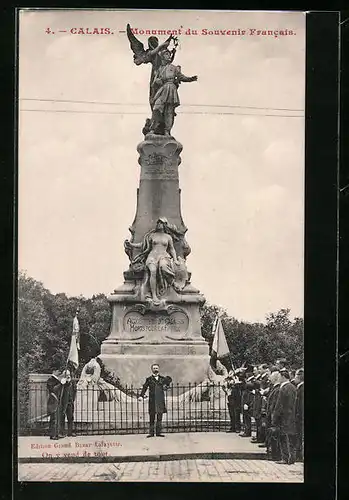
{"x":272,"y":433}
{"x":247,"y":401}
{"x":67,"y":402}
{"x":257,"y":407}
{"x":232,"y":387}
{"x":156,"y":384}
{"x":284,"y":417}
{"x":264,"y":389}
{"x":54,"y":389}
{"x":281,"y":363}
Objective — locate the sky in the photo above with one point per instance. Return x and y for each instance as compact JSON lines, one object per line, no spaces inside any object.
{"x":82,"y":106}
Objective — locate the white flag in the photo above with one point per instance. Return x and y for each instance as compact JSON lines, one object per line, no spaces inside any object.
{"x":76,"y":331}
{"x":220,"y":346}
{"x":73,"y":355}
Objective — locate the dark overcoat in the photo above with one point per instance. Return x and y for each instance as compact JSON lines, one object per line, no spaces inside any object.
{"x":156,"y":393}
{"x":247,"y":396}
{"x":272,"y":397}
{"x":257,"y":404}
{"x":54,"y":388}
{"x":284,"y":414}
{"x":264,"y":404}
{"x":68,"y":394}
{"x":300,"y":409}
{"x":234,"y":394}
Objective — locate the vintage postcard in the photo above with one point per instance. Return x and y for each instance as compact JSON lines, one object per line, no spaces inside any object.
{"x":160,"y":245}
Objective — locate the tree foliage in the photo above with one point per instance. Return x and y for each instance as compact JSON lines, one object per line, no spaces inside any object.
{"x":256,"y":343}
{"x":45,"y":327}
{"x":45,"y":324}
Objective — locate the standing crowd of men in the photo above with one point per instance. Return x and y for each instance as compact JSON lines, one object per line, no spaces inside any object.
{"x":273,"y":396}
{"x":270,"y":394}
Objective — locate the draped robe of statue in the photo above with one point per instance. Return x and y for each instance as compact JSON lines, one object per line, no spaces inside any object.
{"x":92,"y":387}
{"x":211,"y":389}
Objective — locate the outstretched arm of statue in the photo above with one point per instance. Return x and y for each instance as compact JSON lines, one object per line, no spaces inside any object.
{"x":128,"y":243}
{"x":183,"y":78}
{"x":162,"y":46}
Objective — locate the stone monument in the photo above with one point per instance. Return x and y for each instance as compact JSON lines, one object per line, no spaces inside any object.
{"x":155,"y":313}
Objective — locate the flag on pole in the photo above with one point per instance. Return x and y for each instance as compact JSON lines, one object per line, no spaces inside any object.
{"x":73,"y":356}
{"x":220,"y":345}
{"x":220,"y":349}
{"x":76,"y":329}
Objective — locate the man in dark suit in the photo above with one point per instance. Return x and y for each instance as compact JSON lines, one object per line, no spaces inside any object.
{"x":260,"y":403}
{"x":283,"y":418}
{"x":247,"y":398}
{"x":256,"y":406}
{"x":54,"y":388}
{"x":232,"y":387}
{"x":264,"y":389}
{"x":299,"y":380}
{"x":272,"y":433}
{"x":67,"y":402}
{"x":156,"y":384}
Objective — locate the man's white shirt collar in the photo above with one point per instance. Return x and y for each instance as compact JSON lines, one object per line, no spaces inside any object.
{"x":300,"y":383}
{"x":284,"y":383}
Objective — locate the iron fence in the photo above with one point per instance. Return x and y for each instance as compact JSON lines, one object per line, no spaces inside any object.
{"x":104,"y":409}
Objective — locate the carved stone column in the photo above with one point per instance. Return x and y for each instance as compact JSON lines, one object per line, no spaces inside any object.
{"x":141,"y":332}
{"x":158,"y":194}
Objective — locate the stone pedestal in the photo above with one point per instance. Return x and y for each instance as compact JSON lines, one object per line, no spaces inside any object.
{"x":140,"y":337}
{"x":38,"y":396}
{"x":168,"y":333}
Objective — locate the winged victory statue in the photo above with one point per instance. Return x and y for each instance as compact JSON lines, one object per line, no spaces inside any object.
{"x":165,"y":79}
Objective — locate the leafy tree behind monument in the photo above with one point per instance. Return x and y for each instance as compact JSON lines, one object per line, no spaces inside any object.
{"x":45,"y":323}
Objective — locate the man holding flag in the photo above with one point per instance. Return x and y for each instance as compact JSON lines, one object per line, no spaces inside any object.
{"x":232,"y":386}
{"x":62,"y":390}
{"x":67,"y":396}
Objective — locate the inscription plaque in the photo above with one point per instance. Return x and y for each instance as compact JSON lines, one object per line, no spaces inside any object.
{"x":137,"y":323}
{"x":162,"y":172}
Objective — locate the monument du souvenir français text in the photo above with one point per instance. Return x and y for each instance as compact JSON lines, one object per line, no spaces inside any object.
{"x":155,"y":313}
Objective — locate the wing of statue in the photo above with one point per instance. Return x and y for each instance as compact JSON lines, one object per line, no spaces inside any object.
{"x":137,"y":47}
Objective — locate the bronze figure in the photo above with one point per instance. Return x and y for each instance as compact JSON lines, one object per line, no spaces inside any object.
{"x":164,"y":81}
